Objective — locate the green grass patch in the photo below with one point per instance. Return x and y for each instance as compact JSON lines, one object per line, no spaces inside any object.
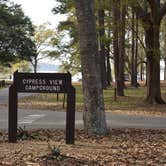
{"x":133,"y":99}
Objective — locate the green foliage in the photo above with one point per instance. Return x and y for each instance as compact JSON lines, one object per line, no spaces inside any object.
{"x":63,"y":6}
{"x":21,"y":66}
{"x":46,"y":42}
{"x":68,"y":46}
{"x":16,"y":33}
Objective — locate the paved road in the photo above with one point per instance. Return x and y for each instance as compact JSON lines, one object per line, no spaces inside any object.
{"x":49,"y":119}
{"x":4,"y":93}
{"x":4,"y":96}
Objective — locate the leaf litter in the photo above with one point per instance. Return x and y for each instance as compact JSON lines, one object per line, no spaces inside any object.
{"x":118,"y":147}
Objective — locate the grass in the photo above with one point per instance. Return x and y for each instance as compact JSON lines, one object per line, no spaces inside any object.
{"x":132,"y":97}
{"x":133,"y":100}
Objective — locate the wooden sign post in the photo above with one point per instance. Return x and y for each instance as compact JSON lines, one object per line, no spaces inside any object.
{"x":42,"y":83}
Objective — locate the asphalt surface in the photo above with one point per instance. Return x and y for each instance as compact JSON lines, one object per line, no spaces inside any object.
{"x":48,"y":119}
{"x":4,"y":93}
{"x":35,"y":119}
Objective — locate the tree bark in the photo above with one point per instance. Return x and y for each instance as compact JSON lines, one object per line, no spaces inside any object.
{"x":115,"y":39}
{"x":134,"y":52}
{"x":153,"y":64}
{"x":132,"y":49}
{"x":35,"y":65}
{"x":164,"y":68}
{"x":94,"y":114}
{"x":118,"y":49}
{"x":109,"y":74}
{"x":102,"y":51}
{"x":151,"y":22}
{"x":141,"y":72}
{"x":136,"y":55}
{"x":122,"y":27}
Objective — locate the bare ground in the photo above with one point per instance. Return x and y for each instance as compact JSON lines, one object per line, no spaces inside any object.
{"x":119,"y":147}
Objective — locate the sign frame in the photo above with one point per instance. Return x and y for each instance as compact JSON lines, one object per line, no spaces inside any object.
{"x":51,"y":83}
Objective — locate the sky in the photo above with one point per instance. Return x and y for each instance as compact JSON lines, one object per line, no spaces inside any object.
{"x":40,"y":11}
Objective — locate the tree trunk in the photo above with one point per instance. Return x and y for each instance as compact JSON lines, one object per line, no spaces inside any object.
{"x":102,"y":51}
{"x":146,"y":73}
{"x":115,"y":39}
{"x":109,"y":74}
{"x":141,"y":72}
{"x":118,"y":49}
{"x":35,"y":65}
{"x":133,"y":52}
{"x":151,"y":16}
{"x":120,"y":85}
{"x":136,"y":55}
{"x":94,"y":115}
{"x":153,"y":64}
{"x":164,"y":68}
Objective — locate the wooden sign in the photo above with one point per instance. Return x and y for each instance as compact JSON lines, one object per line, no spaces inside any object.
{"x":42,"y":83}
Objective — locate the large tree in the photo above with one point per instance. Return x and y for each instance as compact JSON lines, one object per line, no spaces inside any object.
{"x":46,"y":41}
{"x":133,"y":51}
{"x":16,"y":33}
{"x":68,"y":49}
{"x":94,"y":115}
{"x":102,"y":43}
{"x":119,"y":15}
{"x":151,"y":20}
{"x":163,"y":44}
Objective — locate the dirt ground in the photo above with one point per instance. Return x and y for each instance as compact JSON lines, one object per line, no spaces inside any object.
{"x":119,"y":147}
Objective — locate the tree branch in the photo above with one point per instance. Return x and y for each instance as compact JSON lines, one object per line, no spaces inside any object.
{"x":141,"y":42}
